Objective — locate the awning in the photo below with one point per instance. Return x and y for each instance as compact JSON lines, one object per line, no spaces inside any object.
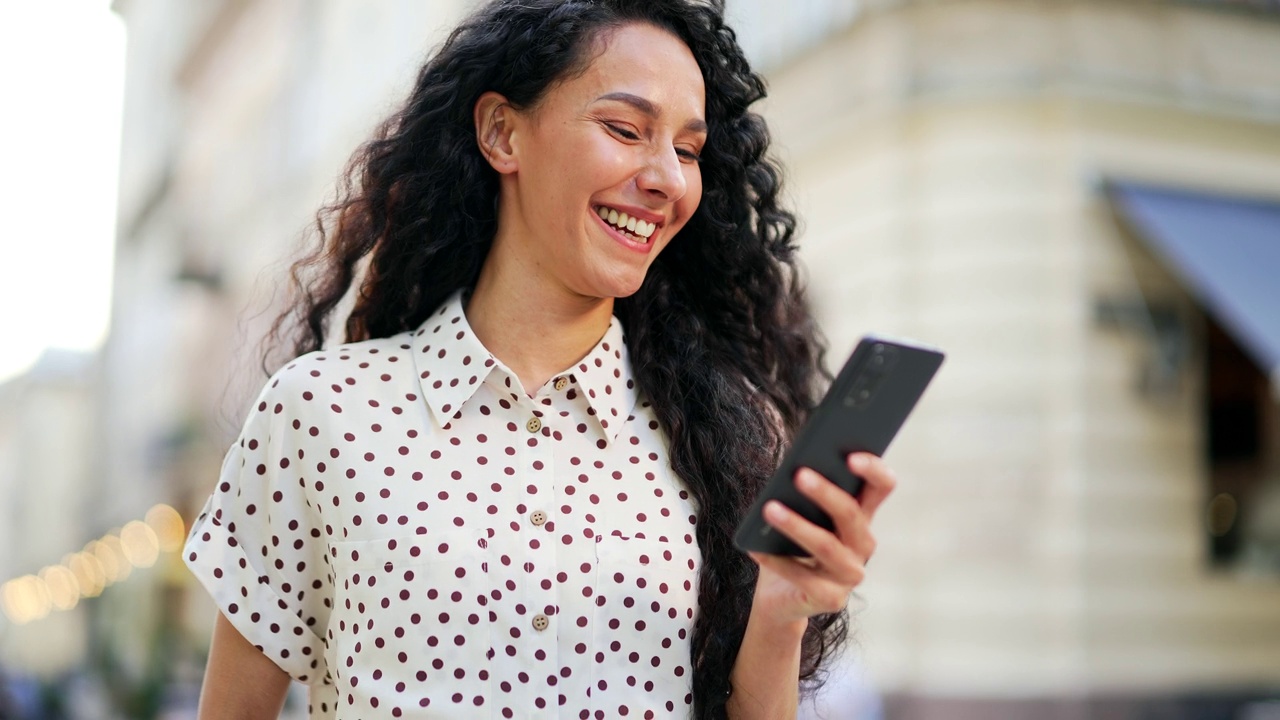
{"x":1226,"y":250}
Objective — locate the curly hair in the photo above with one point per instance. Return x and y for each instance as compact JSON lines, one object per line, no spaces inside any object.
{"x":720,"y":334}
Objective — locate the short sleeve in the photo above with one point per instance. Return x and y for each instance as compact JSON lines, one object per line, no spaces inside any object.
{"x":258,"y":545}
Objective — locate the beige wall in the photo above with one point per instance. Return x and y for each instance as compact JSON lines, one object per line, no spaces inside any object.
{"x":1157,"y":615}
{"x":946,"y":158}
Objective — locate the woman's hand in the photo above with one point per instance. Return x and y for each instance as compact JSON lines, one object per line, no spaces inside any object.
{"x":792,"y":589}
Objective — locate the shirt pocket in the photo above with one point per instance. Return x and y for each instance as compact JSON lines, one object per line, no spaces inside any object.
{"x":409,"y":631}
{"x":645,"y":601}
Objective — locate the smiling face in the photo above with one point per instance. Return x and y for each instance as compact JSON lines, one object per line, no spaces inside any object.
{"x":602,"y":173}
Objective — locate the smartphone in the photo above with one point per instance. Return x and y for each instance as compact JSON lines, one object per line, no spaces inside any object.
{"x":862,"y":411}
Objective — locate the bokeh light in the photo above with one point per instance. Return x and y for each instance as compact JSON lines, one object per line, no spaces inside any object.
{"x":114,"y":565}
{"x":101,"y":563}
{"x":25,"y":599}
{"x":139,"y":544}
{"x":64,"y":590}
{"x":168,"y":526}
{"x":88,"y":572}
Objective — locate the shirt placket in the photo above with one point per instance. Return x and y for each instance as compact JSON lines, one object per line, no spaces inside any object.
{"x":537,"y":493}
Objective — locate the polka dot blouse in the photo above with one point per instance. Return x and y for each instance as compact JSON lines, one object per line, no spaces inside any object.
{"x":406,"y":530}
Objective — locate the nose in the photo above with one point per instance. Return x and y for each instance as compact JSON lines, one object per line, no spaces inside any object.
{"x":663,"y":176}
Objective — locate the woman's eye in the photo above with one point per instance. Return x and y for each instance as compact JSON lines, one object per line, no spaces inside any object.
{"x":630,"y":135}
{"x":621,"y":131}
{"x":689,"y":155}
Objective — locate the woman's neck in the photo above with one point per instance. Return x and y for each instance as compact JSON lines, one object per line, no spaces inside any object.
{"x":534,"y":327}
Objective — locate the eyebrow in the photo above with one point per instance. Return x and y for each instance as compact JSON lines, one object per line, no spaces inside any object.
{"x":650,"y":108}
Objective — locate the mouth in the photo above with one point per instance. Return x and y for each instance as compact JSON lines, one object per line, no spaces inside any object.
{"x":632,"y":228}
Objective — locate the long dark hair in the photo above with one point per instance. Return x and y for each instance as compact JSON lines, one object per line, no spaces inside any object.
{"x":720,"y":335}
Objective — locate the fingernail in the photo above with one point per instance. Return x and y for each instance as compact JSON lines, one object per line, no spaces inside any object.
{"x":807,"y":480}
{"x":859,"y":462}
{"x":774,"y":510}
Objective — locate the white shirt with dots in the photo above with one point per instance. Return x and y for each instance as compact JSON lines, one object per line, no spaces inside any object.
{"x":404,"y":529}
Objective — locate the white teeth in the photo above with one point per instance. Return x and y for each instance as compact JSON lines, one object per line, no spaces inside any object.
{"x":627,"y":223}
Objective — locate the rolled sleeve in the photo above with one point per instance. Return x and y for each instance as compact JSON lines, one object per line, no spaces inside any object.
{"x":258,"y":545}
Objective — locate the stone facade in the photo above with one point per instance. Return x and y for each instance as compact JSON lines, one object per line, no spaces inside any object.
{"x":948,"y":159}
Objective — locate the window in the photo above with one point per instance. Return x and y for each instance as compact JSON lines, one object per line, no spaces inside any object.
{"x":1244,"y":491}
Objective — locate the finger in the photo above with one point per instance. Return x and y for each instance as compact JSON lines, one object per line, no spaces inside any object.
{"x":818,"y":593}
{"x":878,"y":481}
{"x":851,"y":523}
{"x":833,"y":556}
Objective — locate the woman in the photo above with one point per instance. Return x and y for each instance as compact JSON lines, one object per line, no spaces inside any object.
{"x":577,"y":347}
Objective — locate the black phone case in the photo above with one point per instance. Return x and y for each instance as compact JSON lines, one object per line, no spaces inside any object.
{"x":862,"y":411}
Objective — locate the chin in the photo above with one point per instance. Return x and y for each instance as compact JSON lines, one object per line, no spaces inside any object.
{"x":619,"y":286}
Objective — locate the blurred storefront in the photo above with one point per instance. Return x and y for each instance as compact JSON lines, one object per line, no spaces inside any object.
{"x":1082,"y":528}
{"x":966,"y":171}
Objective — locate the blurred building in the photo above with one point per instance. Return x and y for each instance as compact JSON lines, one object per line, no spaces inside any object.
{"x":86,"y":583}
{"x":1079,"y":526}
{"x":46,"y":426}
{"x":1087,"y":498}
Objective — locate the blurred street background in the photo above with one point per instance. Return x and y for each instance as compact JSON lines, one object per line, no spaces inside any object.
{"x":1078,"y":199}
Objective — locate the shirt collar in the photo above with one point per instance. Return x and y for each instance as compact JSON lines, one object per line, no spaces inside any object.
{"x":450,"y":359}
{"x":452,"y":363}
{"x":605,"y":376}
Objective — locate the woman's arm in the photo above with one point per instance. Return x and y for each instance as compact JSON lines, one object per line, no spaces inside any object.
{"x":240,"y":683}
{"x":765,"y":676}
{"x":790,"y":590}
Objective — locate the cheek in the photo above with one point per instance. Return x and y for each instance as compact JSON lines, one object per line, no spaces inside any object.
{"x":571,"y":163}
{"x":602,"y":160}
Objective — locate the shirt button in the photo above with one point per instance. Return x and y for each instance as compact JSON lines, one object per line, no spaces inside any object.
{"x":540,"y":622}
{"x":562,"y":383}
{"x":534,"y":424}
{"x":537,"y":517}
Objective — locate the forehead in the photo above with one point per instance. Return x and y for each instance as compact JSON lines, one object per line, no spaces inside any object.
{"x":643,"y":60}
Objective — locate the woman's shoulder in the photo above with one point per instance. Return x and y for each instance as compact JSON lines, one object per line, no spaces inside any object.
{"x":343,"y":368}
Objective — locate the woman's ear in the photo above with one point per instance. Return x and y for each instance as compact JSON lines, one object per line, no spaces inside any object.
{"x":494,"y":119}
